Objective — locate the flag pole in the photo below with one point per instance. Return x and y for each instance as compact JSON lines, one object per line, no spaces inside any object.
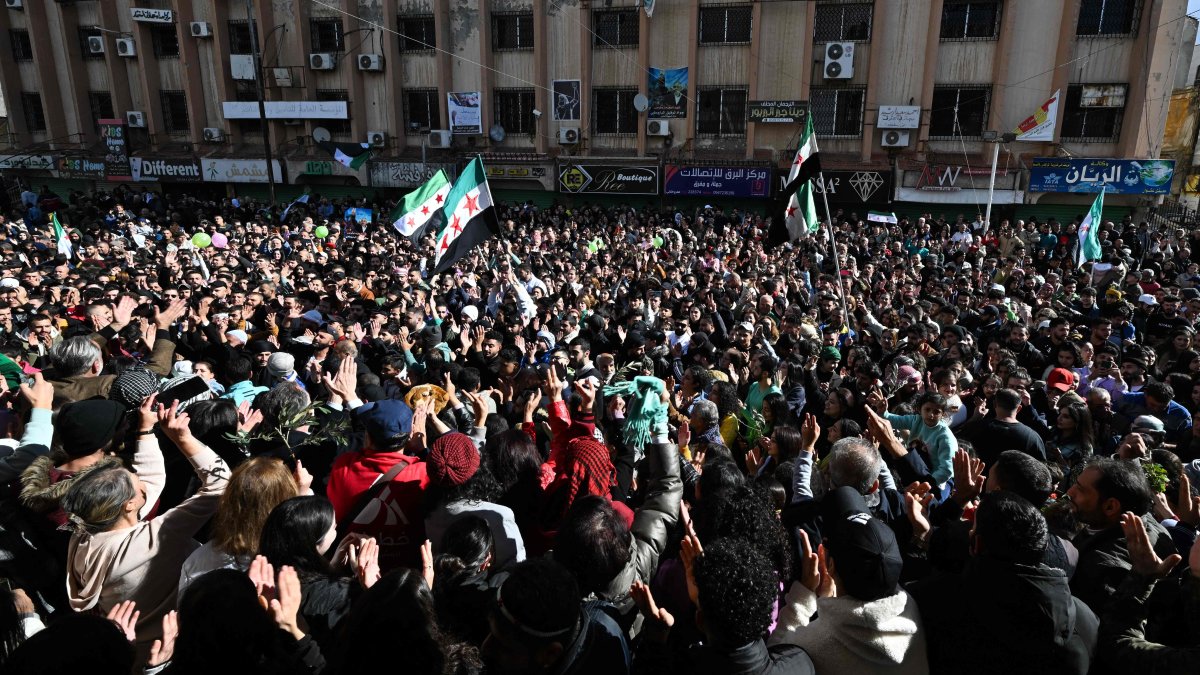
{"x":837,"y":268}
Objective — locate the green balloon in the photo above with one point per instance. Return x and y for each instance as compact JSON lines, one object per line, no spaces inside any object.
{"x":592,"y":246}
{"x":321,"y":232}
{"x":657,"y":241}
{"x":201,"y":240}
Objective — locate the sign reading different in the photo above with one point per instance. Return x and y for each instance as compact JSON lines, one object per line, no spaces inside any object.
{"x":466,"y":117}
{"x":717,"y":181}
{"x":1114,"y":176}
{"x":147,"y":15}
{"x":778,"y":112}
{"x":239,"y":170}
{"x":80,"y":167}
{"x":116,"y":149}
{"x":899,"y":117}
{"x":185,"y":170}
{"x":287,"y":110}
{"x":610,"y":180}
{"x":405,"y":174}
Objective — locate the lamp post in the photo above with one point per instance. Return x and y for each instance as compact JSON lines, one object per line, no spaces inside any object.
{"x":262,"y":104}
{"x":995,"y":138}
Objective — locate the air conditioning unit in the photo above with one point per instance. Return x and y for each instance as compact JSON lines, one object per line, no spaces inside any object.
{"x":136,"y":119}
{"x":370,"y":62}
{"x":126,"y":47}
{"x":15,"y":4}
{"x":839,"y":60}
{"x":201,"y":29}
{"x":657,"y":128}
{"x":96,"y":44}
{"x":439,"y":138}
{"x":322,"y":61}
{"x":377,"y":139}
{"x":568,"y":135}
{"x":895,"y":139}
{"x":213,"y":135}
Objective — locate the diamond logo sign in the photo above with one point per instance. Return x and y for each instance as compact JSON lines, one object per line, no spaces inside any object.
{"x":866,"y":183}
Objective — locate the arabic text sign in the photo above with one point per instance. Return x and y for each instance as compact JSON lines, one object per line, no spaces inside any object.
{"x":239,"y":170}
{"x":1115,"y":176}
{"x":287,"y":110}
{"x":147,"y":15}
{"x":719,"y":181}
{"x":27,"y":162}
{"x":116,"y":149}
{"x":613,"y":180}
{"x":405,"y":174}
{"x":899,"y":117}
{"x":466,"y":117}
{"x":777,"y":112}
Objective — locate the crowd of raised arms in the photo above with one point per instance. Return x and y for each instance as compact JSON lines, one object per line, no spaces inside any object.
{"x":609,"y":440}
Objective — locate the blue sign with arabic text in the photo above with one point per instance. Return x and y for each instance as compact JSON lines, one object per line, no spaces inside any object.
{"x":1114,"y":176}
{"x":719,"y":181}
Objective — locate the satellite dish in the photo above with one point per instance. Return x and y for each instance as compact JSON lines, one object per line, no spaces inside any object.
{"x":497,"y":133}
{"x":640,"y":103}
{"x":321,"y":135}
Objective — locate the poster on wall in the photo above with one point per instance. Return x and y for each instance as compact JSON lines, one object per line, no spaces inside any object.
{"x":466,"y":118}
{"x":668,"y":89}
{"x":566,"y":100}
{"x":1114,"y":176}
{"x":116,"y":149}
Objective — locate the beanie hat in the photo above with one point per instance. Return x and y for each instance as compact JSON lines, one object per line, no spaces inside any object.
{"x":84,"y":427}
{"x":281,"y":364}
{"x":241,"y":335}
{"x":646,"y":418}
{"x":452,"y":460}
{"x":132,"y":387}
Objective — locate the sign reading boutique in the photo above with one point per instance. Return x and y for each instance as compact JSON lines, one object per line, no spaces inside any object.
{"x":608,"y":180}
{"x":1114,"y":176}
{"x":717,"y":181}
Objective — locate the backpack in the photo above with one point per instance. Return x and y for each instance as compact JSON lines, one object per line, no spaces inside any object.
{"x":390,"y":511}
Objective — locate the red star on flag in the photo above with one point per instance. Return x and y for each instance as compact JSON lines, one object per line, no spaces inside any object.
{"x":445,"y":243}
{"x":424,"y":210}
{"x":411,"y":221}
{"x":799,"y":161}
{"x":456,"y":226}
{"x":472,"y":204}
{"x":438,"y":197}
{"x":791,"y":211}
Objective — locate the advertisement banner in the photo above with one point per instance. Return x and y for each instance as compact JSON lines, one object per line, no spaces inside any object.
{"x":609,"y":180}
{"x":466,"y":116}
{"x":854,"y":187}
{"x":668,"y":90}
{"x":1115,"y":176}
{"x":1040,"y":125}
{"x":405,"y":174}
{"x":566,"y":100}
{"x":778,"y":112}
{"x":147,"y":170}
{"x":116,"y":149}
{"x":80,"y":167}
{"x":239,"y":170}
{"x":719,"y":181}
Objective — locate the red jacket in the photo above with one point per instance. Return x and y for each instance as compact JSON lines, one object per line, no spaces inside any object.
{"x":355,"y":472}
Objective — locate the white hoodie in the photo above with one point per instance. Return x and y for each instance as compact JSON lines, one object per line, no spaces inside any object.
{"x":851,"y":636}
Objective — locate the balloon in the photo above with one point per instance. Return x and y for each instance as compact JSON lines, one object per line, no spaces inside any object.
{"x":201,"y":240}
{"x":592,"y":246}
{"x":219,"y":240}
{"x":321,"y":232}
{"x":657,"y":241}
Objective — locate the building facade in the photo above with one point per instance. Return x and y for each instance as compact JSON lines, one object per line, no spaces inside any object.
{"x":592,"y":97}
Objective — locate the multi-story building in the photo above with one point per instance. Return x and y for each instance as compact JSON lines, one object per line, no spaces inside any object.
{"x":560,"y":94}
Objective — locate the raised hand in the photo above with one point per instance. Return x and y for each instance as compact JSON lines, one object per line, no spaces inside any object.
{"x":918,"y":510}
{"x":1142,"y":557}
{"x":163,"y":649}
{"x":658,"y":621}
{"x":1189,"y":506}
{"x":164,"y":318}
{"x":427,"y":563}
{"x":174,"y":423}
{"x":125,"y":615}
{"x":968,"y":477}
{"x":123,"y":311}
{"x":690,"y":551}
{"x":810,"y":567}
{"x":367,"y":562}
{"x":41,"y":394}
{"x":810,"y":431}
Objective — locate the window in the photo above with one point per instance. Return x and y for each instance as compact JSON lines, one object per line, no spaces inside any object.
{"x":1094,"y":111}
{"x":240,"y":41}
{"x":336,"y":126}
{"x":85,"y":47}
{"x":326,"y":35}
{"x":421,"y":108}
{"x":613,"y":112}
{"x":101,"y":105}
{"x":514,"y":110}
{"x":417,"y":33}
{"x":31,"y":105}
{"x":165,"y":41}
{"x":512,"y":31}
{"x":1099,"y":18}
{"x":174,"y":111}
{"x":616,"y":28}
{"x":251,"y":129}
{"x":725,"y":25}
{"x":963,"y":20}
{"x":22,"y":48}
{"x":721,"y":112}
{"x":843,"y":22}
{"x":837,"y":111}
{"x":968,"y":104}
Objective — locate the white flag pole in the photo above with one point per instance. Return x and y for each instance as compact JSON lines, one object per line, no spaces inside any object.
{"x":837,"y":268}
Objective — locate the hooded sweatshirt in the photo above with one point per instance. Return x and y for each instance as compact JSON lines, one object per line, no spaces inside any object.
{"x":851,"y":636}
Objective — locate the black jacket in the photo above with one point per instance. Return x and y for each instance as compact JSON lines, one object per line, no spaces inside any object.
{"x":1104,"y":562}
{"x":999,"y":617}
{"x":756,"y":658}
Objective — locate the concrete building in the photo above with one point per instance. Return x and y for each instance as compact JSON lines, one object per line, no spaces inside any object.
{"x":588,"y":98}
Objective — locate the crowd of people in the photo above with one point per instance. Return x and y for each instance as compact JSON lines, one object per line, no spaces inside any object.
{"x":609,"y":440}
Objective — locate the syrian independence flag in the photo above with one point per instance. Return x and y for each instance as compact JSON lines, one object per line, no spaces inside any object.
{"x":302,"y":199}
{"x":799,"y":217}
{"x":60,"y":236}
{"x":1089,"y":241}
{"x":421,"y":211}
{"x":350,"y":155}
{"x":470,"y":217}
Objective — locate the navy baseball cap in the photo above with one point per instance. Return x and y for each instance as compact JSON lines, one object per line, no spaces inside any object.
{"x":387,"y":422}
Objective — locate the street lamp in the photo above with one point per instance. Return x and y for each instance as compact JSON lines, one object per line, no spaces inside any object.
{"x":262,"y":104}
{"x":995,"y":138}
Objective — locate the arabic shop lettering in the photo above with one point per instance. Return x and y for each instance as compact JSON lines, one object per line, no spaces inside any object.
{"x":148,"y":15}
{"x":405,"y":174}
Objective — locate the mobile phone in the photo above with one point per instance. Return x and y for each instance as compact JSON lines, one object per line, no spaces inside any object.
{"x":186,"y":390}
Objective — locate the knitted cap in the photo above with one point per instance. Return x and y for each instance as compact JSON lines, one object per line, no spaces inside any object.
{"x":84,"y":427}
{"x":281,"y":364}
{"x":132,"y":387}
{"x":452,"y":460}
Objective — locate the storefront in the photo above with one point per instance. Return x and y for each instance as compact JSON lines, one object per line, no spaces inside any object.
{"x":521,"y":183}
{"x":854,"y":193}
{"x":948,"y":190}
{"x":608,"y":182}
{"x":1066,"y":187}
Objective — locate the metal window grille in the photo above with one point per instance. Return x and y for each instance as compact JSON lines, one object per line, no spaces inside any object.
{"x":613,"y":113}
{"x":31,"y":106}
{"x":963,"y":20}
{"x":327,"y":35}
{"x":1099,"y":124}
{"x":843,"y":22}
{"x":239,"y":36}
{"x":616,"y":28}
{"x":85,"y":46}
{"x":512,"y":31}
{"x":421,"y":107}
{"x":165,"y":41}
{"x":968,"y":104}
{"x":1108,"y":18}
{"x":174,"y":111}
{"x":101,"y":105}
{"x":837,"y":112}
{"x":22,"y":48}
{"x":725,"y":25}
{"x":336,"y":127}
{"x":513,"y":110}
{"x":417,"y":33}
{"x":721,"y":112}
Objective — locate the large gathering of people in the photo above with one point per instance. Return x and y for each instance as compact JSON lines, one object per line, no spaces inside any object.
{"x":608,"y":440}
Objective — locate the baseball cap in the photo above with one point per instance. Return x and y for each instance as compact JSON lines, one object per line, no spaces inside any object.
{"x":831,"y":354}
{"x":281,"y":364}
{"x":385,"y":421}
{"x":1147,"y":423}
{"x":1061,"y":379}
{"x":863,"y":548}
{"x":1147,"y":299}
